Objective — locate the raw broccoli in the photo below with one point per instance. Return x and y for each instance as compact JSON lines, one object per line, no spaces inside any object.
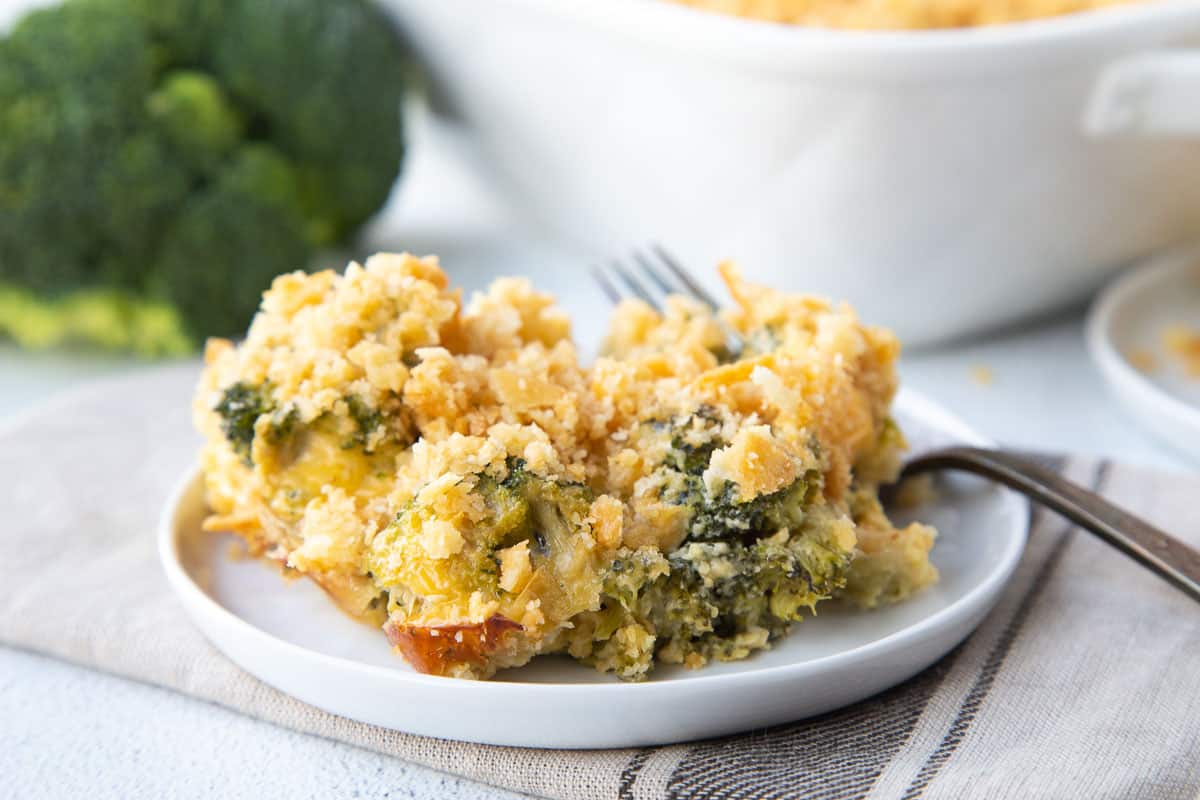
{"x":170,"y":157}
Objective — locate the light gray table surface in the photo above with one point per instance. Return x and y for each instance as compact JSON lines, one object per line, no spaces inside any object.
{"x":71,"y":732}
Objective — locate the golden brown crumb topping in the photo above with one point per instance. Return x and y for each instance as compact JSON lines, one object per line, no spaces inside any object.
{"x":457,"y":475}
{"x":899,"y":14}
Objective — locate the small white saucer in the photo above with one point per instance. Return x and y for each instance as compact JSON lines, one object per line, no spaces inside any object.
{"x":1125,"y":335}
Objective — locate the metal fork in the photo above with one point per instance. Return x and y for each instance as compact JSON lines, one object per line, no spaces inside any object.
{"x":652,"y":274}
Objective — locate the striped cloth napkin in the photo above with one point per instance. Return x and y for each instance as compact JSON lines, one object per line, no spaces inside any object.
{"x":1083,"y":682}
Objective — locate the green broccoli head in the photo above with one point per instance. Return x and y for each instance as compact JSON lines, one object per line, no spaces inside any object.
{"x":109,"y":318}
{"x":196,"y":118}
{"x":230,"y":239}
{"x":184,"y":152}
{"x":297,"y":64}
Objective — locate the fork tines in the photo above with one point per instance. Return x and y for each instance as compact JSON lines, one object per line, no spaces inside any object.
{"x":649,"y":274}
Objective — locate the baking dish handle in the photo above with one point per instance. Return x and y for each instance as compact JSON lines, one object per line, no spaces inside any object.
{"x":1155,"y":94}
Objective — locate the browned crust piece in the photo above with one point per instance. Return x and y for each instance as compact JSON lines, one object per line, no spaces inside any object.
{"x":438,"y":649}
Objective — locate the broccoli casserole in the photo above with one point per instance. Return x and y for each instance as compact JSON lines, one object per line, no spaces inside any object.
{"x":456,"y":476}
{"x":899,"y":14}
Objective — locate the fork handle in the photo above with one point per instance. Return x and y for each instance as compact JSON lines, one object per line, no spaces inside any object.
{"x":1174,"y":561}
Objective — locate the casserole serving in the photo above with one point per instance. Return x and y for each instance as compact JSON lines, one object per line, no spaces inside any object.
{"x":454,"y":475}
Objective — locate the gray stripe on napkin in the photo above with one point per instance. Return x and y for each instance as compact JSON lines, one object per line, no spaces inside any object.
{"x":987,"y":676}
{"x":838,"y":755}
{"x":629,"y":774}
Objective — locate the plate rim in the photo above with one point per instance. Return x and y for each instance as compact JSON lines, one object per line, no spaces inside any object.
{"x":196,"y":601}
{"x":1131,"y":386}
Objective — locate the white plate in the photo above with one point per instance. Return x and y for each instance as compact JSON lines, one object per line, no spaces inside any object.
{"x":291,"y":636}
{"x":1130,"y":316}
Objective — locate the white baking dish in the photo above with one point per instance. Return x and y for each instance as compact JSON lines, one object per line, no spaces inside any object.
{"x":943,"y":181}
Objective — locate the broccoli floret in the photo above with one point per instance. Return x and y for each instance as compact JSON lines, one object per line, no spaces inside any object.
{"x":692,"y":443}
{"x":183,"y":152}
{"x":521,"y":507}
{"x":366,"y":420}
{"x":196,"y":118}
{"x":724,"y":516}
{"x":717,"y":600}
{"x":325,"y":79}
{"x":247,"y":226}
{"x":745,"y":571}
{"x":112,"y":318}
{"x":239,"y":408}
{"x":547,"y":504}
{"x":241,"y":404}
{"x":722,"y":600}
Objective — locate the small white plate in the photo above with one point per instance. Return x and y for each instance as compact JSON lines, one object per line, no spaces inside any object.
{"x":1129,"y":317}
{"x":291,"y":636}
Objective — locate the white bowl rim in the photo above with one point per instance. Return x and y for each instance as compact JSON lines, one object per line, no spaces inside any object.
{"x":1114,"y":366}
{"x":198,"y":600}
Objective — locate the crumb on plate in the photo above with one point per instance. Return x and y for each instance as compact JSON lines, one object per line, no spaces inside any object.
{"x":1183,"y":343}
{"x":982,"y":375}
{"x":1142,"y":360}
